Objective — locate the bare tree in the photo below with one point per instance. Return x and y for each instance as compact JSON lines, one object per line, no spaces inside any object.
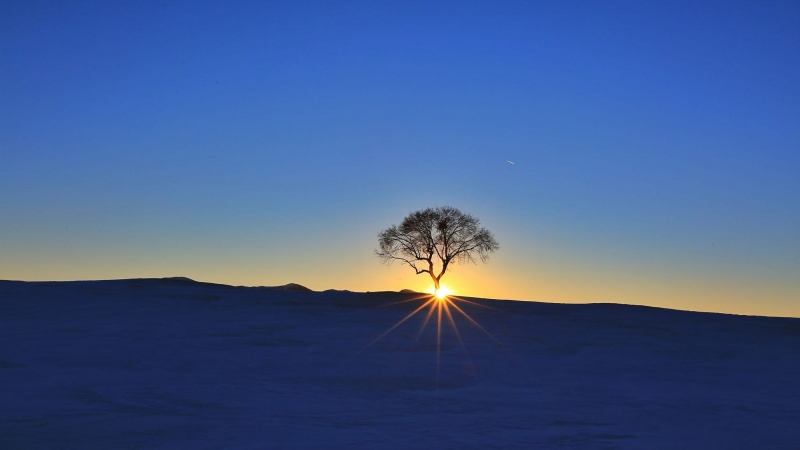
{"x":436,"y":238}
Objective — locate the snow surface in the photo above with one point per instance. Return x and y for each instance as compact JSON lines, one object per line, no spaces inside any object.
{"x":172,"y":363}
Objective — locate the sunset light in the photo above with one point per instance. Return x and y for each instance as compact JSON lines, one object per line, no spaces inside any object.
{"x":442,"y":292}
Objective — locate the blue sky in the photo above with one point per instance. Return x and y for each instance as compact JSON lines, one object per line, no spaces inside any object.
{"x":261,"y":143}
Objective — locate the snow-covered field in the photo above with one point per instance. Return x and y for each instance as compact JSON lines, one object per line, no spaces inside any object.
{"x":178,"y":364}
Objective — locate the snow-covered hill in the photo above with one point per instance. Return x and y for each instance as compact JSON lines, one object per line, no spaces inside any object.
{"x":173,"y":363}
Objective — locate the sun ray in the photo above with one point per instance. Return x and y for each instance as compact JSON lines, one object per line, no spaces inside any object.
{"x":428,"y":316}
{"x":438,"y":338}
{"x":453,"y":297}
{"x":408,"y":300}
{"x":401,"y":321}
{"x":439,"y":304}
{"x":474,"y":322}
{"x":449,"y":314}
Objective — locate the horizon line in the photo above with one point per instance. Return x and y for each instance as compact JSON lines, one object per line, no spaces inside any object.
{"x":309,"y":290}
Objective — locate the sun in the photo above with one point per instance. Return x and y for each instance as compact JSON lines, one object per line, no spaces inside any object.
{"x":441,"y":307}
{"x":442,"y":292}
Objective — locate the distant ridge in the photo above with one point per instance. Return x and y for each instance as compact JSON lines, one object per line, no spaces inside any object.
{"x":178,"y":282}
{"x":162,"y":280}
{"x":169,"y":281}
{"x":290,"y":287}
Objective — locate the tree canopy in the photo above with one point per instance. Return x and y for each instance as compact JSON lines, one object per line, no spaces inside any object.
{"x":432,"y":239}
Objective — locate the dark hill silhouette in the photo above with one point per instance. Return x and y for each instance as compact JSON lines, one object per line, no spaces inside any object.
{"x":290,"y":287}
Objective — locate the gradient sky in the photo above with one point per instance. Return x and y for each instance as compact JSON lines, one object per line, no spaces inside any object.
{"x":657,"y":145}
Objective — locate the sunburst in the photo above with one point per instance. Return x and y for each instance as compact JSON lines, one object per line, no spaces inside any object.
{"x":440,"y":307}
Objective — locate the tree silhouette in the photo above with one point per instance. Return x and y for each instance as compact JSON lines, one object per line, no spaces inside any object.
{"x":436,"y":237}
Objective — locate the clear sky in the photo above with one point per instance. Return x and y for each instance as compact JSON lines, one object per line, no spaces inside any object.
{"x":657,"y":144}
